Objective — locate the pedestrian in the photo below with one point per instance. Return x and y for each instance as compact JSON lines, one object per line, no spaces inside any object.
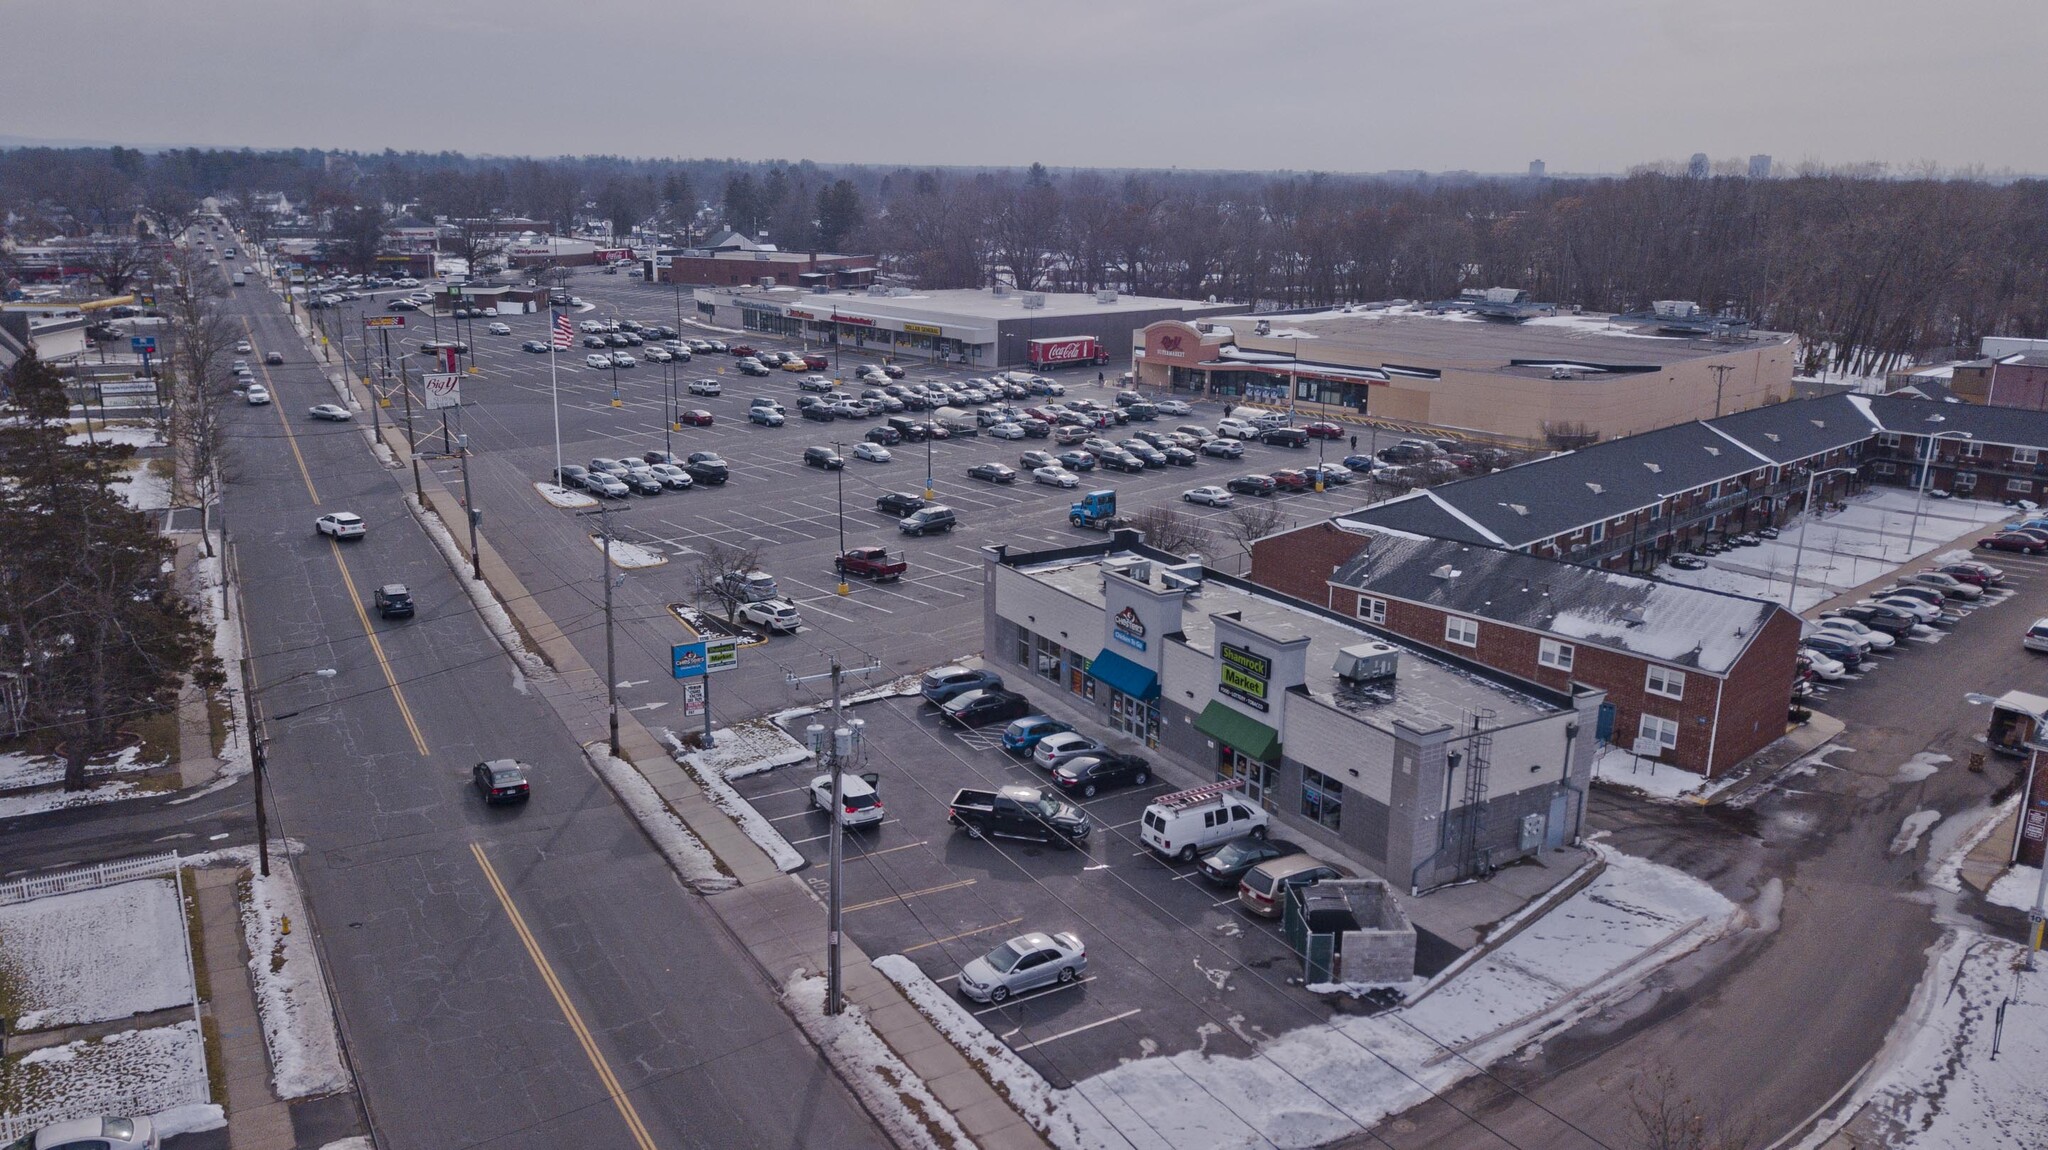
{"x":1101,"y":380}
{"x":1226,"y":410}
{"x":1354,"y":443}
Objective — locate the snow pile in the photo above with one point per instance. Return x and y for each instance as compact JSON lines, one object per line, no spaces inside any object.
{"x":764,"y":834}
{"x":685,"y":852}
{"x":357,"y":1143}
{"x":1911,"y":829}
{"x":191,"y":1118}
{"x":298,"y":1020}
{"x":1921,"y":766}
{"x":1949,"y":875}
{"x":1943,"y":1088}
{"x":2016,"y":888}
{"x":143,"y":487}
{"x":749,"y":748}
{"x":890,"y":1090}
{"x":563,"y":497}
{"x":96,"y":955}
{"x":134,"y":1070}
{"x":630,"y":556}
{"x":1616,"y":767}
{"x":1321,"y":1083}
{"x":494,"y":614}
{"x":212,"y":592}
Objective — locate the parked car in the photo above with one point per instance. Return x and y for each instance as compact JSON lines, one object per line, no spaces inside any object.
{"x":870,"y":563}
{"x":859,"y":804}
{"x":1228,"y":863}
{"x":1820,"y":665}
{"x":766,"y":416}
{"x":1086,"y":774}
{"x":1287,"y":480}
{"x":1184,"y":824}
{"x":824,"y":457}
{"x":1223,"y":448}
{"x":1017,"y":811}
{"x":1688,"y":562}
{"x":102,"y":1133}
{"x":1970,"y":571}
{"x":1054,"y":750}
{"x":1022,"y":964}
{"x":1841,"y":650}
{"x":1949,"y":586}
{"x":1871,"y":637}
{"x":1055,"y":476}
{"x":571,"y":476}
{"x":1263,"y":889}
{"x":933,"y":517}
{"x":1886,"y":619}
{"x":1253,"y":485}
{"x":898,"y":504}
{"x":1284,"y":437}
{"x":992,"y":473}
{"x":2036,"y":636}
{"x":672,"y":476}
{"x":1921,"y":610}
{"x":502,"y":781}
{"x":1021,"y":736}
{"x":707,"y":467}
{"x":1211,"y":495}
{"x":980,"y":708}
{"x":773,"y":615}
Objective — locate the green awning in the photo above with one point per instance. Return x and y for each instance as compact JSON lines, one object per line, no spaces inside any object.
{"x":1243,"y":733}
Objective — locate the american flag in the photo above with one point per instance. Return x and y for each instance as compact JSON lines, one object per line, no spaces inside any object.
{"x":565,"y":335}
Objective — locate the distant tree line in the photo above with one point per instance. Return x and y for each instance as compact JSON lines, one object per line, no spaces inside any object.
{"x":1869,"y":269}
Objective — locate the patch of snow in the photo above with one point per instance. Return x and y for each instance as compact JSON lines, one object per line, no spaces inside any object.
{"x":1912,"y":828}
{"x":211,"y":591}
{"x":122,"y":435}
{"x":1769,"y":908}
{"x":1949,"y":875}
{"x":41,"y":802}
{"x":749,"y":748}
{"x":785,"y":857}
{"x":890,"y":1089}
{"x":685,"y":852}
{"x":1616,"y":767}
{"x":143,"y":487}
{"x":495,"y":617}
{"x":95,"y":955}
{"x":194,"y":1117}
{"x":563,"y":497}
{"x":1921,"y":766}
{"x":86,"y":1076}
{"x":298,"y":1019}
{"x":2016,"y":888}
{"x":18,"y":769}
{"x":630,"y":556}
{"x":1361,"y":989}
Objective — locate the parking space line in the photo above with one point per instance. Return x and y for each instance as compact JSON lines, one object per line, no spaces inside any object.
{"x":906,"y":896}
{"x":1074,"y":1031}
{"x":1053,"y":989}
{"x":961,"y":935}
{"x":828,"y":834}
{"x":891,"y":850}
{"x":798,"y":815}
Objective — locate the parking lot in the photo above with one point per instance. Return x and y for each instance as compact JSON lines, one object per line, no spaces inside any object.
{"x":1173,"y":963}
{"x":775,"y":503}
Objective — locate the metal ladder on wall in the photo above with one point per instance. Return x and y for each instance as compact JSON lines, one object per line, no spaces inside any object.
{"x":1472,"y":855}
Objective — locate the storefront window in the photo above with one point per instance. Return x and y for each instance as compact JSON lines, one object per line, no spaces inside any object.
{"x":1322,"y":798}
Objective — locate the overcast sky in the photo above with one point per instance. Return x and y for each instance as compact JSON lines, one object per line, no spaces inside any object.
{"x":1339,"y":85}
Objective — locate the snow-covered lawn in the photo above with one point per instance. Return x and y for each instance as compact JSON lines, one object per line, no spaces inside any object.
{"x":1844,"y":549}
{"x":19,"y":770}
{"x":1321,"y":1083}
{"x":1616,"y":767}
{"x":144,"y":487}
{"x":91,"y":1076}
{"x":630,"y":555}
{"x":137,"y":436}
{"x":291,"y":997}
{"x":39,"y":802}
{"x":748,"y":749}
{"x":563,"y":497}
{"x":94,"y":955}
{"x":1941,"y":1087}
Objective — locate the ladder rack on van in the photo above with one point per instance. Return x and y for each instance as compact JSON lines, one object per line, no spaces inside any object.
{"x":1194,"y":796}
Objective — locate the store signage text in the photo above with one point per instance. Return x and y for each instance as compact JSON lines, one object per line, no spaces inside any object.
{"x":1128,"y":629}
{"x":922,"y":329}
{"x":1243,"y":675}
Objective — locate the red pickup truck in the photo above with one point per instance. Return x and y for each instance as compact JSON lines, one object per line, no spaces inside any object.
{"x":871,"y":563}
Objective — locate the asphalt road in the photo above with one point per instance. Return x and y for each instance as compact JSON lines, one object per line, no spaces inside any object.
{"x":1763,"y":1029}
{"x":514,"y":977}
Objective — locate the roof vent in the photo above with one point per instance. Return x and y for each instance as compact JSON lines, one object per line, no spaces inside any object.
{"x":1655,"y":469}
{"x":1518,"y":508}
{"x":1105,"y":295}
{"x":1596,"y":489}
{"x":1032,"y":300}
{"x":1446,"y":572}
{"x":1712,"y":450}
{"x":1634,"y":617}
{"x":1771,"y":435}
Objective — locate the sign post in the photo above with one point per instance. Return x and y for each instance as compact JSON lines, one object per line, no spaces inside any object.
{"x":145,"y":346}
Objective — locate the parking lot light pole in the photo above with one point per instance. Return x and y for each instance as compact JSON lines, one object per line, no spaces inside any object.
{"x":476,"y":563}
{"x":1805,"y":517}
{"x":616,"y":402}
{"x":840,"y":473}
{"x":668,"y":420}
{"x":928,"y":493}
{"x":1927,"y":473}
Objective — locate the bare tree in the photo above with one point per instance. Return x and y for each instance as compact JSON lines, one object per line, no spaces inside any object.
{"x":117,"y":261}
{"x":710,"y":581}
{"x":201,"y":337}
{"x":1252,"y":521}
{"x":1168,"y":529}
{"x":1664,"y":1117}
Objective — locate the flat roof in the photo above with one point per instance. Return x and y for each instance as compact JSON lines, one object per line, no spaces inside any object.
{"x":975,"y":307}
{"x":1412,"y":336}
{"x":1428,"y":691}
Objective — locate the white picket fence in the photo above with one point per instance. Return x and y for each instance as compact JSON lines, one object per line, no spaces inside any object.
{"x":87,"y":878}
{"x":154,"y":1100}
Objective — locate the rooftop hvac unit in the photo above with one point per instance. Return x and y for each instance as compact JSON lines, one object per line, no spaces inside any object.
{"x":820,"y":289}
{"x":1134,"y":567}
{"x":901,"y":291}
{"x":1367,"y":662}
{"x":1033,"y":299}
{"x":1184,"y":576}
{"x":766,"y":283}
{"x":999,"y":289}
{"x":878,"y":289}
{"x":1105,"y":295}
{"x":1205,"y":327}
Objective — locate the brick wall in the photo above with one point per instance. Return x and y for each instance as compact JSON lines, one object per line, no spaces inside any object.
{"x":1758,"y":693}
{"x":1299,"y":562}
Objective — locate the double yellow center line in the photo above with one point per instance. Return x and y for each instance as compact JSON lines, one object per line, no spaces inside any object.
{"x":547,"y":973}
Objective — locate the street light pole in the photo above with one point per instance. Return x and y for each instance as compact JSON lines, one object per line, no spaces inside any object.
{"x":835,"y":748}
{"x":1927,"y":473}
{"x":839,"y":474}
{"x":1805,"y":517}
{"x":611,"y":671}
{"x":476,"y":563}
{"x":928,"y":493}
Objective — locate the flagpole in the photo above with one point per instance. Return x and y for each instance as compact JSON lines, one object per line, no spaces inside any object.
{"x":555,"y":392}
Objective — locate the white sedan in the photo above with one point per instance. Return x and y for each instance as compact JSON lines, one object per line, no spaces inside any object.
{"x":1055,"y":477}
{"x":1869,"y":639}
{"x":333,"y":411}
{"x":1823,"y":666}
{"x":500,"y":329}
{"x":258,"y":395}
{"x":872,"y":452}
{"x":242,"y":347}
{"x":1007,"y":431}
{"x":341,"y":525}
{"x":598,"y":360}
{"x":1173,"y":407}
{"x":1213,"y":496}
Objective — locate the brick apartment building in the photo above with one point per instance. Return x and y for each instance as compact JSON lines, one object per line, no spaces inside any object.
{"x":1706,"y":674}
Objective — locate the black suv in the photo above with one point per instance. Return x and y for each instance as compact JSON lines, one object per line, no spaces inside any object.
{"x":886,"y":436}
{"x":993,"y":705}
{"x":897,"y":504}
{"x":1253,"y":485}
{"x":394,"y":601}
{"x":1284,"y":437}
{"x":707,"y":467}
{"x":823,"y":457}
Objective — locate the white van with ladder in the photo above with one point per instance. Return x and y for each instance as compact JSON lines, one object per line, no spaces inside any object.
{"x":1184,"y":824}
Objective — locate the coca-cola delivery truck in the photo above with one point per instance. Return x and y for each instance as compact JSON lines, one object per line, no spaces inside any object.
{"x":1065,"y":351}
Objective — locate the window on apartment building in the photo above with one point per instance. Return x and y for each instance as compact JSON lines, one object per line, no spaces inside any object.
{"x":1322,"y":798}
{"x":1665,"y":731}
{"x":2019,"y":486}
{"x":1883,"y":469}
{"x":1552,"y":653}
{"x":1599,"y":532}
{"x":1965,"y":481}
{"x":1888,"y":439}
{"x":1971,"y":449}
{"x":2025,"y":455}
{"x":1665,"y":681}
{"x":1372,"y":610}
{"x":1462,"y":631}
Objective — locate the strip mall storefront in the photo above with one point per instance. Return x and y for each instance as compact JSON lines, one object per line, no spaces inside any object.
{"x":1187,"y":359}
{"x":891,"y":338}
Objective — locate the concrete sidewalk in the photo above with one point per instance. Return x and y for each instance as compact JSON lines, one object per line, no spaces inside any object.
{"x":775,"y":916}
{"x":257,"y":1119}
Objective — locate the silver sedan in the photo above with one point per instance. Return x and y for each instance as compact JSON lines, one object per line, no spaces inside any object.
{"x":1026,"y":962}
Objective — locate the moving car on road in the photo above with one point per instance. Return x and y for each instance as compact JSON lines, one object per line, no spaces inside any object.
{"x":341,"y":525}
{"x":393,"y":601}
{"x":258,"y":395}
{"x":332,"y":411}
{"x":502,"y":781}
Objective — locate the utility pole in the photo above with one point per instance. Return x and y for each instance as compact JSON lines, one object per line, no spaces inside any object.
{"x":611,"y":673}
{"x":1720,"y":371}
{"x":843,"y":744}
{"x":412,"y":448}
{"x":840,"y":474}
{"x":256,"y":767}
{"x":476,"y":563}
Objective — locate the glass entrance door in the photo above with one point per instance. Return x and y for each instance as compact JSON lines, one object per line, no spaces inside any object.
{"x":1259,"y":778}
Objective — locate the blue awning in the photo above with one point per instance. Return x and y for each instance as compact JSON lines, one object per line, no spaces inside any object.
{"x":1126,"y":676}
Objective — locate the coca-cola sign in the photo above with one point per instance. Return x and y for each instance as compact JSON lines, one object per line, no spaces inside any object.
{"x":1066,"y":351}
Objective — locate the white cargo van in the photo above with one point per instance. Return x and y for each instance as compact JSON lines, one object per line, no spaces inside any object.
{"x":1184,"y":824}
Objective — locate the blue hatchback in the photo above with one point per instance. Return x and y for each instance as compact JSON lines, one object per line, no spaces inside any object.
{"x":1023,"y":735}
